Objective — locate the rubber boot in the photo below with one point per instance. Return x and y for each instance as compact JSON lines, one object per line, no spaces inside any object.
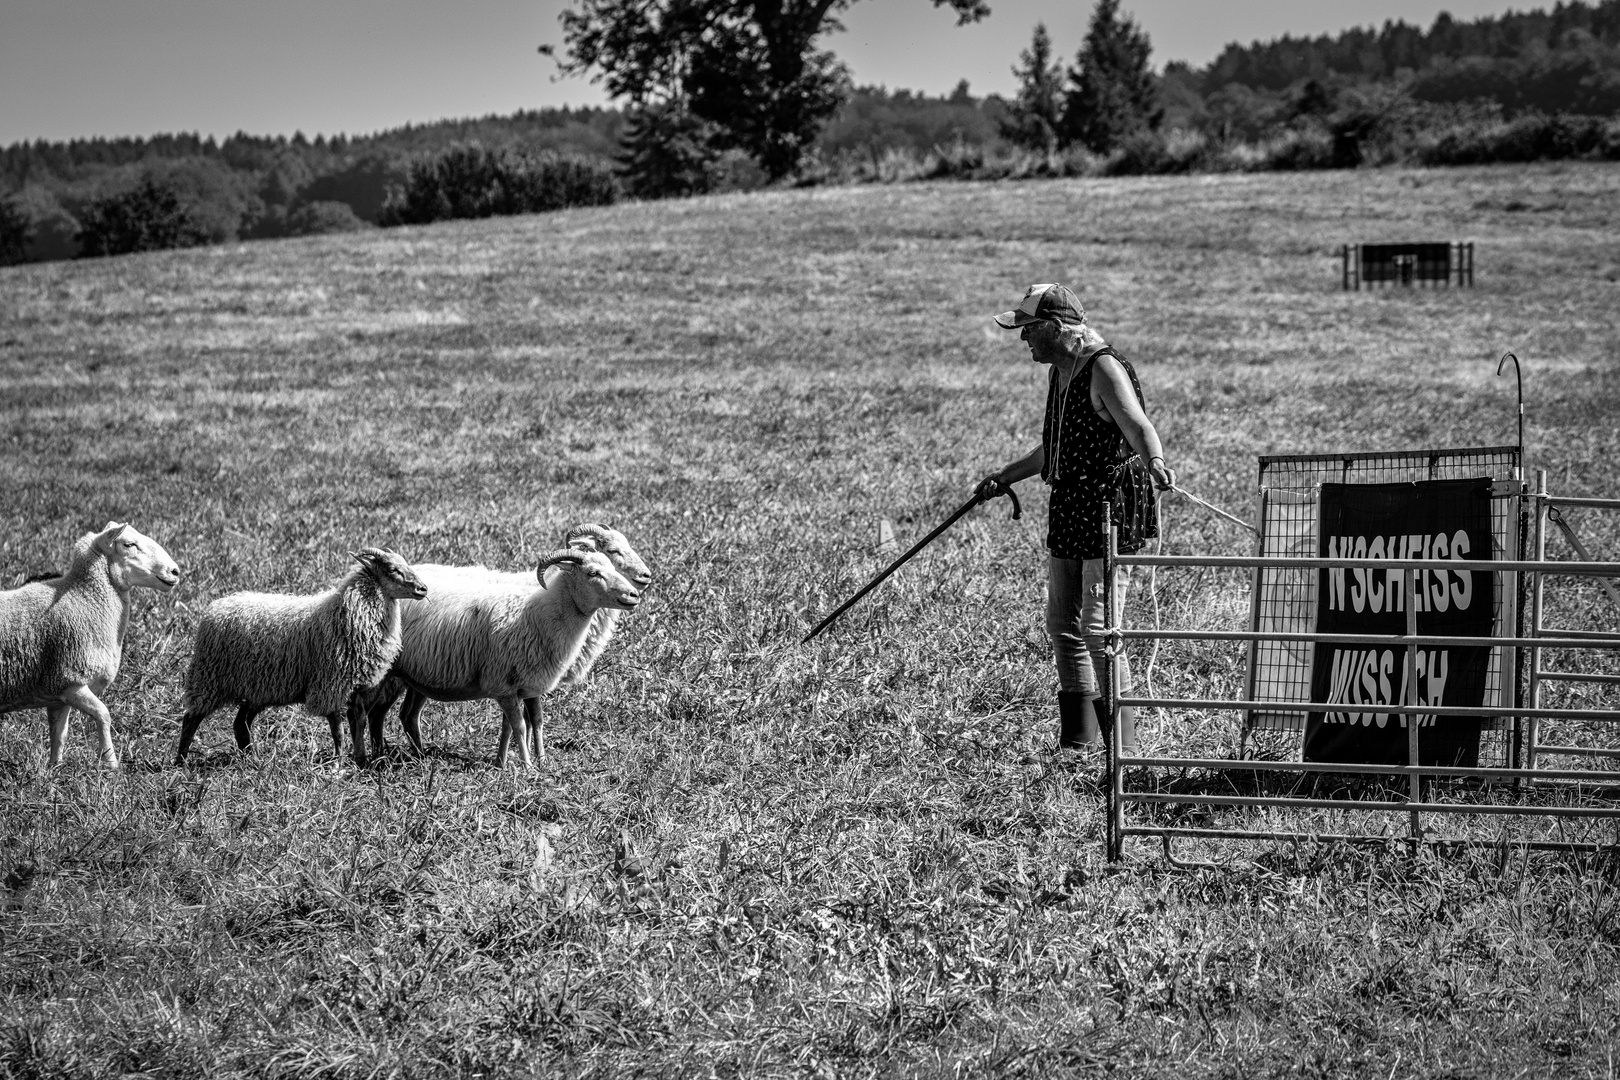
{"x":1077,"y":719}
{"x":1127,"y":728}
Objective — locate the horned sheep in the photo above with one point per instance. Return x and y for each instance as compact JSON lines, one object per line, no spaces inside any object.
{"x":62,"y":638}
{"x":485,"y":637}
{"x":604,"y":623}
{"x":259,"y":650}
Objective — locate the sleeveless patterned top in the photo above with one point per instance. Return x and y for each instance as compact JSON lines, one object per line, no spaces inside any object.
{"x":1083,"y":449}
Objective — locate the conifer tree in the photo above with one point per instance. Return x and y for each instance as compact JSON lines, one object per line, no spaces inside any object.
{"x":1113,"y":93}
{"x":666,"y":152}
{"x":1035,"y":116}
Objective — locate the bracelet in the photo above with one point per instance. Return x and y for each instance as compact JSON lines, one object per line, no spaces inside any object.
{"x":1156,"y":457}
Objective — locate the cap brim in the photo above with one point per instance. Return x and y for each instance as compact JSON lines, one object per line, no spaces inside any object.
{"x":1012,"y":320}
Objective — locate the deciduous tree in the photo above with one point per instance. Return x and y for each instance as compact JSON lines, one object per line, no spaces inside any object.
{"x":750,"y":68}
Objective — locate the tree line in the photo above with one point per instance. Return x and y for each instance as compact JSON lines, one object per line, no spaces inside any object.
{"x":716,"y":95}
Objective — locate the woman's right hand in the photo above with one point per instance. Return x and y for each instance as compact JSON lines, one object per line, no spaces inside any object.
{"x":992,"y":486}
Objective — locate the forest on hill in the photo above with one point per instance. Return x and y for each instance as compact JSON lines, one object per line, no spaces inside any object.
{"x":1520,"y":86}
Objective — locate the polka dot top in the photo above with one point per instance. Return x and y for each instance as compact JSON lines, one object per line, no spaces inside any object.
{"x":1082,"y":450}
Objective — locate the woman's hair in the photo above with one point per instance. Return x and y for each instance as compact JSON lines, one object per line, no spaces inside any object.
{"x":1072,"y":337}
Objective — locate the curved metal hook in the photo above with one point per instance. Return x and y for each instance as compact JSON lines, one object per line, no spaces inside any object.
{"x":1519,"y":378}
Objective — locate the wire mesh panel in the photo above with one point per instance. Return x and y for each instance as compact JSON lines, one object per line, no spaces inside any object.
{"x":1407,"y":264}
{"x":1285,"y":599}
{"x":1281,"y":670}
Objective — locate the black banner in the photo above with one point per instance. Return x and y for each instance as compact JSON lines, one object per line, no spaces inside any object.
{"x":1431,"y":519}
{"x":1406,"y":263}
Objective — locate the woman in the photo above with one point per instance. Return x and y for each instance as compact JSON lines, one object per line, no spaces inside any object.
{"x":1094,"y":420}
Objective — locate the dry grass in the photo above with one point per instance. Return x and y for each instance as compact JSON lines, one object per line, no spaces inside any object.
{"x":747,"y":857}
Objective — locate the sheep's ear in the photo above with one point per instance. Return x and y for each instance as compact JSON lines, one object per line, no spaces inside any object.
{"x":113,"y":531}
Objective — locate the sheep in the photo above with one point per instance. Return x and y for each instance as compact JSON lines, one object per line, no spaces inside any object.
{"x":258,"y":650}
{"x":62,"y":637}
{"x":624,"y":558}
{"x":484,"y":637}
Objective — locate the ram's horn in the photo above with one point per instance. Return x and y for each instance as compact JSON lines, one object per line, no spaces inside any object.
{"x":561,"y":555}
{"x":589,"y":530}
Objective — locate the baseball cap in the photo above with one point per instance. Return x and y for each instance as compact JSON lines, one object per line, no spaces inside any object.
{"x":1049,"y":301}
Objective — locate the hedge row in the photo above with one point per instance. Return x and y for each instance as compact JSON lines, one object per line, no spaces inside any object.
{"x":472,"y":182}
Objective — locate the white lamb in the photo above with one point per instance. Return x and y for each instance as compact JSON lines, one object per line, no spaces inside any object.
{"x":483,"y":638}
{"x":62,"y":638}
{"x":258,"y":650}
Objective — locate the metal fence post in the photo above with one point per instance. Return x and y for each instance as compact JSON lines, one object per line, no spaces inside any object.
{"x":1414,"y":787}
{"x":1539,"y":496}
{"x":1110,"y":697}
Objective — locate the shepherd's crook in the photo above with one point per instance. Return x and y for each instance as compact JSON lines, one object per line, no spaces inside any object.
{"x":978,"y":497}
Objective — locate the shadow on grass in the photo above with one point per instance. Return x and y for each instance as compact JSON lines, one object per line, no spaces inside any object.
{"x":399,"y":758}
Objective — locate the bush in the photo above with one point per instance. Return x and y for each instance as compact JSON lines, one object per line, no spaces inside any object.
{"x":1305,"y":148}
{"x":1150,"y":153}
{"x":736,"y":170}
{"x":323,"y":216}
{"x":363,"y":184}
{"x":471,"y":182}
{"x":147,"y":217}
{"x":16,"y":232}
{"x":956,"y":160}
{"x":1533,"y":137}
{"x":53,"y":232}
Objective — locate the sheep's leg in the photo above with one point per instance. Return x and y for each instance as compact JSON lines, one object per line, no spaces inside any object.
{"x":97,"y":722}
{"x":189,"y":723}
{"x":357,"y":729}
{"x":536,"y":723}
{"x":377,"y":713}
{"x":513,"y":731}
{"x":408,"y":712}
{"x":505,"y":743}
{"x":242,"y":728}
{"x":57,"y":717}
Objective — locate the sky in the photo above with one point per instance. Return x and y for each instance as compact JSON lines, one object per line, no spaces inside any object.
{"x":83,"y":68}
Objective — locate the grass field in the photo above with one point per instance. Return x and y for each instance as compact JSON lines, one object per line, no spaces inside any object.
{"x":746,"y":857}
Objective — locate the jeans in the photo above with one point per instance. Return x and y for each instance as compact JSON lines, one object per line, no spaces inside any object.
{"x":1074,"y":621}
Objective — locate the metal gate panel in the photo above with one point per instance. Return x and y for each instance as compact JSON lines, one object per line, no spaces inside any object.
{"x":1285,"y":599}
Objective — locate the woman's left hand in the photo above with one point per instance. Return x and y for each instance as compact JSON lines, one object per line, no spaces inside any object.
{"x":1163,"y":475}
